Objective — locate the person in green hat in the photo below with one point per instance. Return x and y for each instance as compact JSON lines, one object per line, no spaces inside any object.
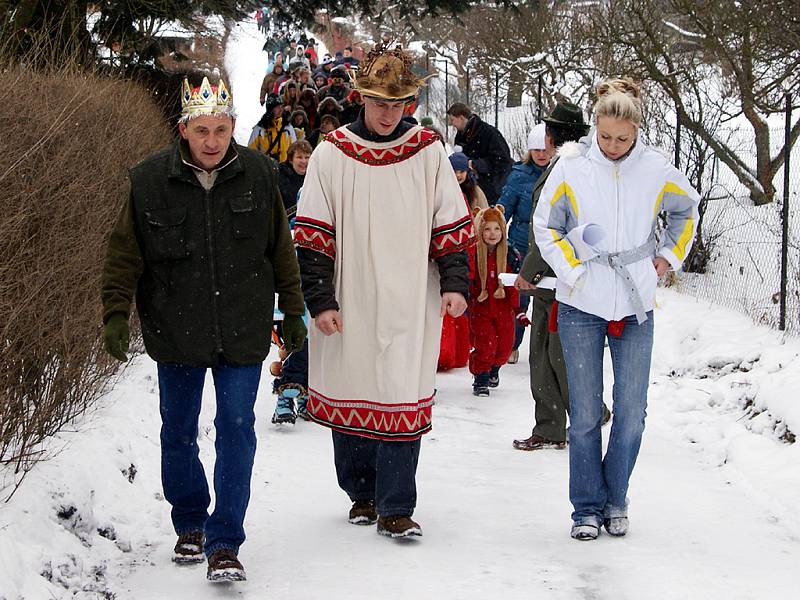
{"x":548,"y":372}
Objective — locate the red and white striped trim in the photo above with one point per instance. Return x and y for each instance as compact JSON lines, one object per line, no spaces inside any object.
{"x":315,"y":235}
{"x":393,"y":422}
{"x":382,"y":156}
{"x":453,"y":237}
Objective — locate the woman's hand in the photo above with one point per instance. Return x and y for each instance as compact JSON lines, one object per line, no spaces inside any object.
{"x":661,"y":265}
{"x":329,"y":322}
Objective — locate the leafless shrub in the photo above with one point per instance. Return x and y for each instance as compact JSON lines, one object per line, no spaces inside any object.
{"x":68,"y":138}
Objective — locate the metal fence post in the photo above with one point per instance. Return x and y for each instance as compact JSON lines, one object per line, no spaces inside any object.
{"x":467,"y":75}
{"x":539,"y":99}
{"x":496,"y":96}
{"x":785,"y":215}
{"x":446,"y":90}
{"x":428,"y":90}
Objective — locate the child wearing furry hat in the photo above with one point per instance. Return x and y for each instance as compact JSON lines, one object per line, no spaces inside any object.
{"x":493,"y":307}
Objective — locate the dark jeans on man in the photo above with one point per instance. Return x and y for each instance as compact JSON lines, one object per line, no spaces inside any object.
{"x":378,"y":470}
{"x":182,"y":475}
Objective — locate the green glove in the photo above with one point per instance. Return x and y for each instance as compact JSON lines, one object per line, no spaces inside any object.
{"x":116,"y":335}
{"x":294,"y":333}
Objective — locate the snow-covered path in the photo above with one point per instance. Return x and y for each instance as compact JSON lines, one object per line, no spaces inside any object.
{"x":496,"y":520}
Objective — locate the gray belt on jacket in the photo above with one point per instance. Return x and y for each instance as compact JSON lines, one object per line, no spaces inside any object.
{"x":618,"y":261}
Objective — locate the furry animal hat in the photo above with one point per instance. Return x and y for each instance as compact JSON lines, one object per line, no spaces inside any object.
{"x":481,"y":218}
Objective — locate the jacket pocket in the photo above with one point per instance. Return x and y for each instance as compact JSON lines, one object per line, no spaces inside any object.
{"x":243,"y":223}
{"x":166,"y":233}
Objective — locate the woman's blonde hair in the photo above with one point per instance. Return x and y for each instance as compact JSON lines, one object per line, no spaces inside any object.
{"x":620,"y":99}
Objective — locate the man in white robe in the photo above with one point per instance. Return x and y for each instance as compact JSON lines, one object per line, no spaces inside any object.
{"x":381,"y":231}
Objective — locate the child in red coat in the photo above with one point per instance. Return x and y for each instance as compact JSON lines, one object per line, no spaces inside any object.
{"x":492,"y":306}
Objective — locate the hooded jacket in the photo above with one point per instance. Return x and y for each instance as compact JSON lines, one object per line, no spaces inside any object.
{"x":624,"y":198}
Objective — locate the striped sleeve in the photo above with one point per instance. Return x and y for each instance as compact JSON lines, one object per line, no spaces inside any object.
{"x":679,"y":201}
{"x":556,"y":214}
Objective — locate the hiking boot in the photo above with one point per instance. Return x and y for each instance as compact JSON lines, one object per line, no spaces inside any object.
{"x":224,"y":566}
{"x":537,"y":442}
{"x":616,"y":526}
{"x":494,"y":377}
{"x":514,"y":357}
{"x":480,"y":384}
{"x":363,"y":513}
{"x":302,"y":407}
{"x":189,"y":548}
{"x":284,"y":407}
{"x":398,"y":526}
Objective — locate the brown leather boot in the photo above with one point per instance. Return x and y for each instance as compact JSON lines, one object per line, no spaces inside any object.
{"x":398,"y":526}
{"x":223,"y":565}
{"x":537,"y":442}
{"x":363,"y":513}
{"x":189,"y":548}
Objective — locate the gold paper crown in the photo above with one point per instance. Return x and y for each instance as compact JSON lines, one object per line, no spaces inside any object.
{"x":213,"y":100}
{"x":386,"y":73}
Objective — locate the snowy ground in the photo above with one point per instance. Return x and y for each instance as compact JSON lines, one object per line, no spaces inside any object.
{"x":713,"y":497}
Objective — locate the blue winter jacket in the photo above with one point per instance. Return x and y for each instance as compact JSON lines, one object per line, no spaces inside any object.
{"x":517,"y":202}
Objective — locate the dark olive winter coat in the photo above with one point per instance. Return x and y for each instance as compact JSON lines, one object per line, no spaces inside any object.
{"x":204,"y":264}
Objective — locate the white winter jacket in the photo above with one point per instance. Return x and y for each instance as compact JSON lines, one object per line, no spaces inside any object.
{"x":623,"y":198}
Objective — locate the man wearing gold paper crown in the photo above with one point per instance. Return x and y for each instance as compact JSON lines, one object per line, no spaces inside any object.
{"x":204,"y":244}
{"x":381,"y":232}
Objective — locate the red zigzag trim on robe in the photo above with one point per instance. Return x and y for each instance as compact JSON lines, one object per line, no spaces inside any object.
{"x":397,"y":422}
{"x":382,"y":156}
{"x":315,"y":235}
{"x":454,"y":237}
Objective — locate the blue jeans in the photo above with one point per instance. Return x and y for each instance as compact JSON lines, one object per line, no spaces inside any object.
{"x":378,"y":470}
{"x":598,"y":485}
{"x":182,"y":475}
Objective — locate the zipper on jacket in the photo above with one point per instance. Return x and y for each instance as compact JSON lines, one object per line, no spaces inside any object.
{"x":213,"y":271}
{"x":615,"y":173}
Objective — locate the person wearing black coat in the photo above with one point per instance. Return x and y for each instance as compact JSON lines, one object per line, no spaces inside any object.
{"x":292,"y":173}
{"x":486,"y":147}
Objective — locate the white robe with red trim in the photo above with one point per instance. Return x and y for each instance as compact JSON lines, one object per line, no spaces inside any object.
{"x":383,"y":211}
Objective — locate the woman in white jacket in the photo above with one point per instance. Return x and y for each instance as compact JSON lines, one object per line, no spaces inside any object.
{"x":596,"y":225}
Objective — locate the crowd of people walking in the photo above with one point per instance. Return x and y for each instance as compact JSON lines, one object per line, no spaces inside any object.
{"x":409,"y":260}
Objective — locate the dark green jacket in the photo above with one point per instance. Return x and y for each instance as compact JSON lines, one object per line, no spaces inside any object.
{"x":204,"y":265}
{"x":534,"y":266}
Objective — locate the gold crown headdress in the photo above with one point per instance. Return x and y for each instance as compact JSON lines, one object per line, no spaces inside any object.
{"x":212,"y":100}
{"x":386,"y":73}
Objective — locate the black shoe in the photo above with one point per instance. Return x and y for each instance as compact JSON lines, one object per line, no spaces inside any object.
{"x":223,"y":565}
{"x":189,"y":548}
{"x":494,"y":377}
{"x":363,"y":513}
{"x":480,"y":390}
{"x":398,"y":526}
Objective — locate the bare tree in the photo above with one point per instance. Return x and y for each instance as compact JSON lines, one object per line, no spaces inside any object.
{"x":717,"y":62}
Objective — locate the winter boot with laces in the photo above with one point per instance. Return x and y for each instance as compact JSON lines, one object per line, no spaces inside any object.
{"x":284,"y":408}
{"x":302,"y":406}
{"x":223,"y":565}
{"x":189,"y":548}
